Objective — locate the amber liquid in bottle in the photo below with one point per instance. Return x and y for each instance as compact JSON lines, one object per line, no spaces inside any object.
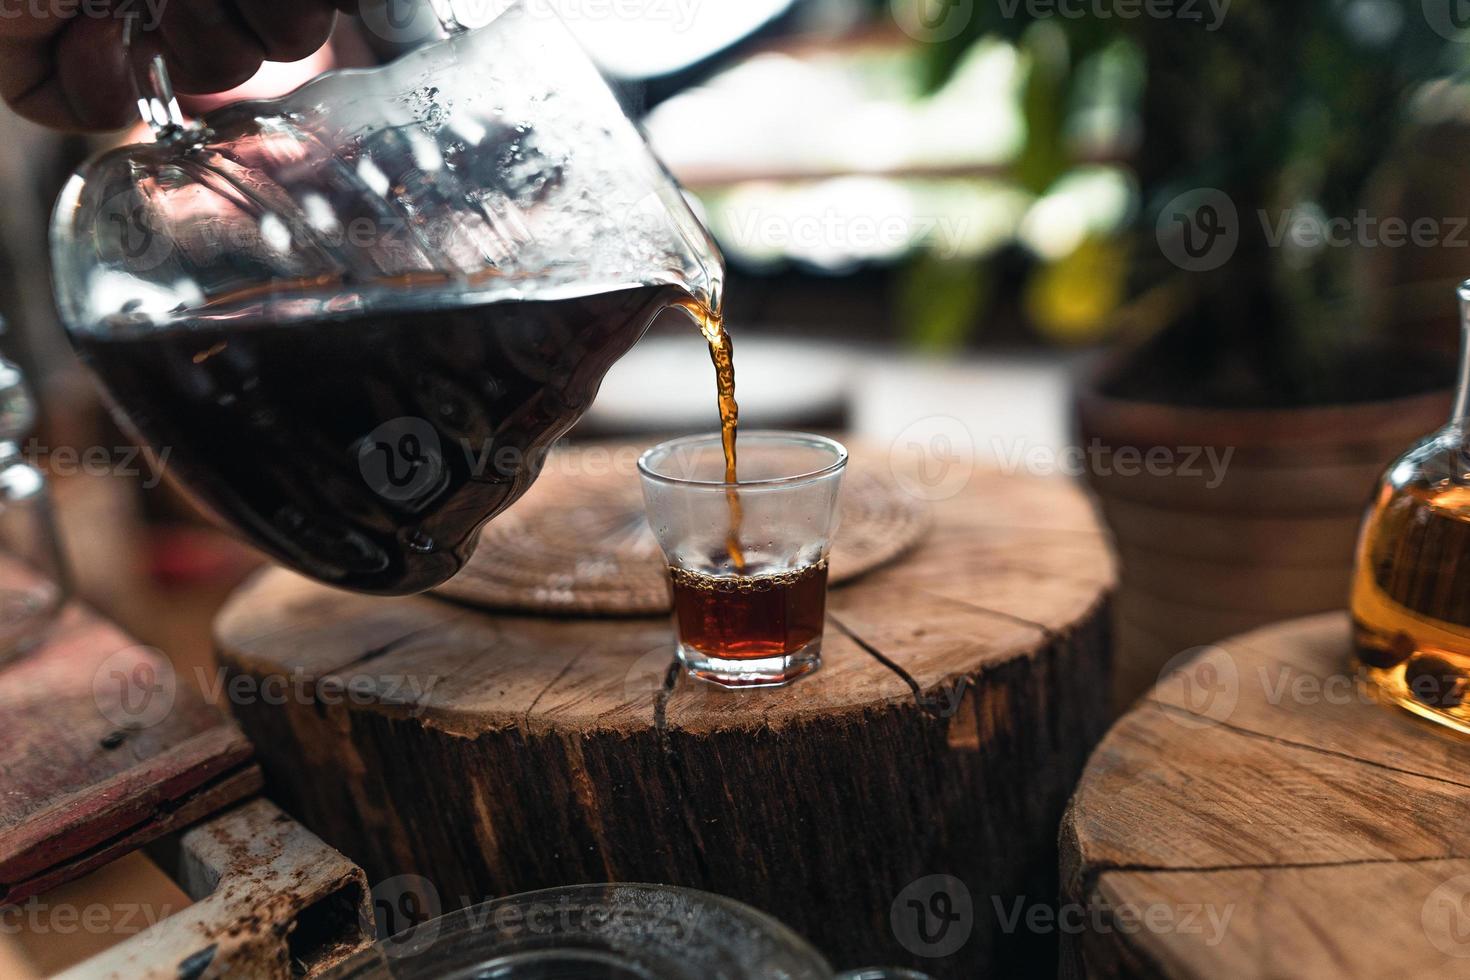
{"x":1411,"y":600}
{"x":1411,"y":586}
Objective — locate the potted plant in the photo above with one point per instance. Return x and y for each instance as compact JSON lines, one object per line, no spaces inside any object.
{"x":1265,"y":285}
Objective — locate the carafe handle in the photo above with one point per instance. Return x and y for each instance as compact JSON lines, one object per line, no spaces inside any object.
{"x":157,"y":103}
{"x":449,"y":21}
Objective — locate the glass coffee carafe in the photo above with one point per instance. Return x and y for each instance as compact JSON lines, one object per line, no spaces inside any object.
{"x":357,"y":317}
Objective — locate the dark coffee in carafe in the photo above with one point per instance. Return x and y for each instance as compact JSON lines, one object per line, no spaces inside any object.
{"x":368,"y":449}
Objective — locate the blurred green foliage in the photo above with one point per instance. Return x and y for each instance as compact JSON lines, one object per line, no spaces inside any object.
{"x":1287,"y":106}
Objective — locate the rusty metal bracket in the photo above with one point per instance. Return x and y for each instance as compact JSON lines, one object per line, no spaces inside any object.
{"x":271,"y":900}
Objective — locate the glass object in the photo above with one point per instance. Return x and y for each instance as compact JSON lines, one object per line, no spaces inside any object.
{"x":34,"y":583}
{"x":600,"y":932}
{"x":358,"y":316}
{"x":747,"y":560}
{"x":1411,"y":586}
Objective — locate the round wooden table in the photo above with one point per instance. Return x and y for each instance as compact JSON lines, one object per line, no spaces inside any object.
{"x":962,"y":689}
{"x":1258,"y":814}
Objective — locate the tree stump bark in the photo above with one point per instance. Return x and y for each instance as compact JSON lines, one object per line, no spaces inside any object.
{"x":1260,"y":815}
{"x":493,"y":754}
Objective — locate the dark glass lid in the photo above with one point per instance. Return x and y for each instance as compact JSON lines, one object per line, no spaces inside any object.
{"x":594,"y":932}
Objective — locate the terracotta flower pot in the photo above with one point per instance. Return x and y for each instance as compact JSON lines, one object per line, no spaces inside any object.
{"x":1261,"y":527}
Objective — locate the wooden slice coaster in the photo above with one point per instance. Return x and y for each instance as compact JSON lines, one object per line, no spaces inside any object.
{"x":578,"y":542}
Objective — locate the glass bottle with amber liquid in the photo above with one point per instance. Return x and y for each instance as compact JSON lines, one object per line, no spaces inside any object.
{"x":1411,"y":586}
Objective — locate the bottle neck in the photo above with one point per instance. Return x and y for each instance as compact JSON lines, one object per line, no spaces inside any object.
{"x":1461,"y":414}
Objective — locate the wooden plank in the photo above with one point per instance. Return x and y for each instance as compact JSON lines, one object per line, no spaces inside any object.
{"x":101,"y":751}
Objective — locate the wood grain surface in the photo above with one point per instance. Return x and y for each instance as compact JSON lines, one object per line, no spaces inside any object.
{"x":1301,"y":828}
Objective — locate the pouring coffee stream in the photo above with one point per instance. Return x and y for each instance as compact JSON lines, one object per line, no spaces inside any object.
{"x":722,"y":353}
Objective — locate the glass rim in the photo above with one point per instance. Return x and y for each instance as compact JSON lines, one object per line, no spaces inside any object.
{"x":646,"y":470}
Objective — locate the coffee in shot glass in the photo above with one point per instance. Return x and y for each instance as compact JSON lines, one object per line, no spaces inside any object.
{"x":747,"y":560}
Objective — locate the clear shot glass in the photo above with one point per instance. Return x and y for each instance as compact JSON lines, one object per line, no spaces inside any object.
{"x":747,"y":560}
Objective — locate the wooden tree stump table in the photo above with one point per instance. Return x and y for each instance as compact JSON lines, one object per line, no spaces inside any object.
{"x":1259,"y":815}
{"x":490,"y":754}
